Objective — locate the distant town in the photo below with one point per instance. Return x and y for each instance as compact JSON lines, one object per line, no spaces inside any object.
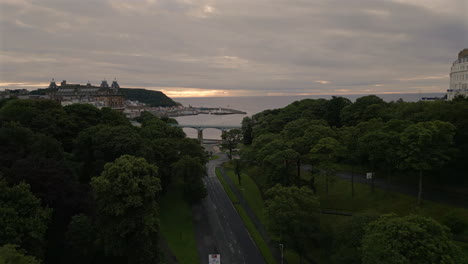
{"x":110,"y":96}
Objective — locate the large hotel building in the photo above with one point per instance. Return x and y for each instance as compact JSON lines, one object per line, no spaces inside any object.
{"x":102,"y":96}
{"x":459,"y":76}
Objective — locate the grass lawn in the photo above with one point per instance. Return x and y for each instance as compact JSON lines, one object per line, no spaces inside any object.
{"x":380,"y":201}
{"x":214,"y":157}
{"x":365,"y":201}
{"x":177,"y":227}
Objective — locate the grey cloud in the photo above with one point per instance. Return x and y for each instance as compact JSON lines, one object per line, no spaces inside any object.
{"x":268,"y":46}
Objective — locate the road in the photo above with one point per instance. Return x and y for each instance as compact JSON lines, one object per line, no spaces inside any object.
{"x":218,"y":227}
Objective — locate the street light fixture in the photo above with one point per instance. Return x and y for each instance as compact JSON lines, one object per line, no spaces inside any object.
{"x":282,"y":247}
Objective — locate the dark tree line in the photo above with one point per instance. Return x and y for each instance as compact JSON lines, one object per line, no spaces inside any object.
{"x":420,"y":140}
{"x":82,"y":185}
{"x":426,"y":139}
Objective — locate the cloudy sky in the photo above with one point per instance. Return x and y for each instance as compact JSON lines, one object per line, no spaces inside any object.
{"x":234,"y":47}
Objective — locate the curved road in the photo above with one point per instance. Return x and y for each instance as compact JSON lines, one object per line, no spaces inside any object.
{"x":218,"y":227}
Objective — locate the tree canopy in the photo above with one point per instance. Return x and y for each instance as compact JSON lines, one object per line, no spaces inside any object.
{"x":23,"y":221}
{"x":10,"y":254}
{"x":60,"y":152}
{"x":408,"y":239}
{"x":128,"y":214}
{"x":292,"y":214}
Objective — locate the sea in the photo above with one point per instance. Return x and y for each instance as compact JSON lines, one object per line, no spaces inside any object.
{"x":256,"y":104}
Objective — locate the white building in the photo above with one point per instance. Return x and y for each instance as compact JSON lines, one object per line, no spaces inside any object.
{"x":459,"y":76}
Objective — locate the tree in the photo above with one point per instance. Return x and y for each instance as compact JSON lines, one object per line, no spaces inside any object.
{"x":11,"y":254}
{"x":113,"y":118}
{"x":280,"y":163}
{"x":347,"y":137}
{"x":410,"y":239}
{"x":293,"y":135}
{"x":365,"y":108}
{"x":332,"y":110}
{"x":150,"y":97}
{"x":191,"y":147}
{"x":230,"y":140}
{"x":100,"y":144}
{"x":293,"y":216}
{"x":247,"y":130}
{"x":326,"y":153}
{"x":16,"y":143}
{"x":265,"y":145}
{"x":162,"y":152}
{"x":301,"y":142}
{"x":80,"y":239}
{"x":126,"y":196}
{"x":81,"y":117}
{"x":238,"y":169}
{"x":427,"y":145}
{"x":191,"y":171}
{"x":45,"y":170}
{"x":156,"y":128}
{"x":44,"y":116}
{"x":375,"y":145}
{"x":23,"y":221}
{"x":348,"y":237}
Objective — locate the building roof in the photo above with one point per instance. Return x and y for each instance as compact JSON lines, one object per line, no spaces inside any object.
{"x":463,"y":53}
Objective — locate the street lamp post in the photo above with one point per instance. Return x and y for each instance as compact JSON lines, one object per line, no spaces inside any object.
{"x":282,"y":247}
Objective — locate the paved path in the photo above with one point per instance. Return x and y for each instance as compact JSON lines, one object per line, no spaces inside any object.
{"x":218,"y":227}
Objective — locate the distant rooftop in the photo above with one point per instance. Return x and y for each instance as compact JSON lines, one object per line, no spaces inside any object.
{"x":64,"y":84}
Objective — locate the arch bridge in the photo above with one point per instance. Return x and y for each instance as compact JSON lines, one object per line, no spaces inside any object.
{"x":200,"y":128}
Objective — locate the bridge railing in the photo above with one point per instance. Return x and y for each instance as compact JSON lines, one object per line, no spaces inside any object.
{"x":200,"y":128}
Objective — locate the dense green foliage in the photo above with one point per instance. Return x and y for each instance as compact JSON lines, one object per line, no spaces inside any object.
{"x":292,"y":215}
{"x":314,"y":138}
{"x":76,"y":159}
{"x":23,"y":221}
{"x":190,"y":172}
{"x":347,"y":244}
{"x":10,"y":254}
{"x":80,"y":238}
{"x":127,"y":209}
{"x":409,"y":239}
{"x":230,"y":140}
{"x":149,"y":97}
{"x":382,"y":136}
